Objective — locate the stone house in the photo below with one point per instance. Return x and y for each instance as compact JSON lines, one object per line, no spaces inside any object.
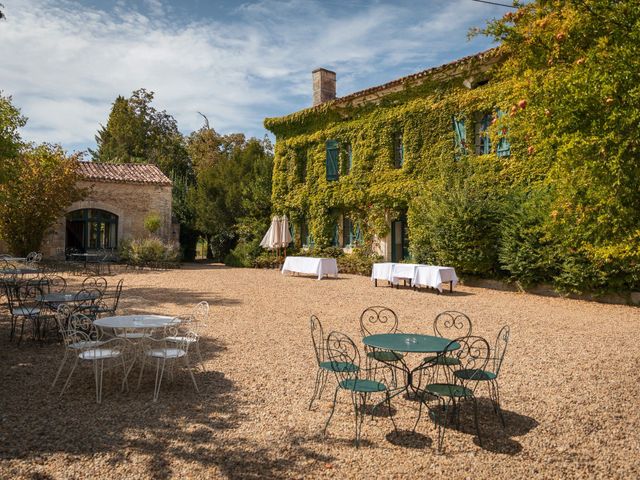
{"x":327,"y":165}
{"x":120,"y":197}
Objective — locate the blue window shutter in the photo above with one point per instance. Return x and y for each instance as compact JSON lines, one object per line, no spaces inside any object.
{"x":503,"y":149}
{"x":460,"y":136}
{"x":335,"y":241}
{"x":358,"y":235}
{"x":332,"y":160}
{"x":486,"y":144}
{"x":346,"y":231}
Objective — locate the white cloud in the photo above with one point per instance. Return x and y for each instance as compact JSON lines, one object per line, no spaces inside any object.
{"x":65,"y":63}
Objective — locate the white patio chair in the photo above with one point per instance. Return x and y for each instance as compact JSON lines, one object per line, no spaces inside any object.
{"x":68,"y":323}
{"x":191,"y":324}
{"x":168,"y":352}
{"x":88,"y":349}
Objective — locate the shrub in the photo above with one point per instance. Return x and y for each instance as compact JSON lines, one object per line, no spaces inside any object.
{"x":148,"y":251}
{"x":152,"y":223}
{"x":526,"y":251}
{"x":244,"y":254}
{"x":456,"y":223}
{"x":359,"y":262}
{"x":268,"y":260}
{"x":331,"y":252}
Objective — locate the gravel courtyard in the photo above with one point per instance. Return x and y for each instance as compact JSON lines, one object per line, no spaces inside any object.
{"x":570,"y":389}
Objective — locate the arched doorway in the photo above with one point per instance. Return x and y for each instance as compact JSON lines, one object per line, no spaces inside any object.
{"x":91,"y":229}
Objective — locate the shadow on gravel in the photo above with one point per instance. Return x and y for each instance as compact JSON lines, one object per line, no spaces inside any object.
{"x":138,"y":436}
{"x":143,"y":299}
{"x":495,"y":437}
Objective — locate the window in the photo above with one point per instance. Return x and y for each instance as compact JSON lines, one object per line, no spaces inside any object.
{"x":91,"y":229}
{"x":306,"y":239}
{"x":351,"y":233}
{"x":398,"y":151}
{"x":482,"y":140}
{"x":503,"y":149}
{"x":335,"y":240}
{"x":332,"y":160}
{"x":347,"y":161}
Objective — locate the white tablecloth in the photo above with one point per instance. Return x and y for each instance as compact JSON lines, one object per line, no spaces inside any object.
{"x":434,"y":276}
{"x":311,"y":265}
{"x":404,"y":271}
{"x":382,"y":271}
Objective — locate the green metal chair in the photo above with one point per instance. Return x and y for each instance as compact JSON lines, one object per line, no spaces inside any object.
{"x":473,"y":354}
{"x":490,"y":375}
{"x":448,"y":324}
{"x":325,"y":367}
{"x":376,"y":320}
{"x":343,"y":355}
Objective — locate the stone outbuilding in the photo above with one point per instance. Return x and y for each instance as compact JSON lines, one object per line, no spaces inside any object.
{"x":119,"y":199}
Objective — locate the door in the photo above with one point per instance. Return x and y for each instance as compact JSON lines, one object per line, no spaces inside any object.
{"x":399,"y":239}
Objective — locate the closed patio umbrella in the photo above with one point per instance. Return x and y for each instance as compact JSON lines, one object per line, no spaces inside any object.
{"x":285,"y":233}
{"x":271,"y":239}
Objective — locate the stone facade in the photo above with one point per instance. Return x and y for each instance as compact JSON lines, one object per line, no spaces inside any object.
{"x":130,"y":201}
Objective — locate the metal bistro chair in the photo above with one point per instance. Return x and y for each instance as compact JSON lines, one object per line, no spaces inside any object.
{"x":448,"y":324}
{"x":167,"y":352}
{"x":94,"y":282}
{"x":108,"y":303}
{"x":24,"y":304}
{"x":473,"y":354}
{"x":490,"y":375}
{"x":83,"y":342}
{"x":380,"y":320}
{"x":344,"y":356}
{"x":325,"y":367}
{"x":187,"y":329}
{"x":67,"y":321}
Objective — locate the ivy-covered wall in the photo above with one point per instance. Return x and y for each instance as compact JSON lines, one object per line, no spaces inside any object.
{"x":375,"y":192}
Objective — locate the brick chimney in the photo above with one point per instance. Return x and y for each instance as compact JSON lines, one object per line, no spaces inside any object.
{"x":324,"y":85}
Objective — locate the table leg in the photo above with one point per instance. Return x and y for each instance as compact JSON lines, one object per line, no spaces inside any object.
{"x":451,"y":286}
{"x":375,"y":282}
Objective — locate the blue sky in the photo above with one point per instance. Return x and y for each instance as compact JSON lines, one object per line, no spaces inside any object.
{"x":64,"y":62}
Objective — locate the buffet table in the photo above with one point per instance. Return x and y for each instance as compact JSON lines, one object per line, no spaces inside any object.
{"x":419,"y":275}
{"x":311,"y":266}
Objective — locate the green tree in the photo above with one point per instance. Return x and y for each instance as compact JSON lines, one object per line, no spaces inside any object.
{"x":10,"y":121}
{"x":136,"y":132}
{"x":574,"y":64}
{"x":232,"y":199}
{"x":44,"y":183}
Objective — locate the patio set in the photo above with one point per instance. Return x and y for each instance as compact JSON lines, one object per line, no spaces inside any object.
{"x":441,"y":370}
{"x":85,"y":319}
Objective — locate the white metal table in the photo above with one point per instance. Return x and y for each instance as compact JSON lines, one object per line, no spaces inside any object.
{"x":136,"y":322}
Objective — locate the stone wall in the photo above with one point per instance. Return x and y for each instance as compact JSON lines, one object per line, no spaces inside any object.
{"x":130,"y":202}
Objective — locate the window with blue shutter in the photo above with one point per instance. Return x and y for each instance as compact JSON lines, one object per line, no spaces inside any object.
{"x":483,"y":142}
{"x":398,"y":150}
{"x":305,"y":236}
{"x":503,"y":149}
{"x":460,"y":137}
{"x":347,"y":231}
{"x":332,"y":160}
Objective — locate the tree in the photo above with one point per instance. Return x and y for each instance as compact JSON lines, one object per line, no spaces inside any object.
{"x":138,"y":133}
{"x":10,"y":121}
{"x":232,"y":198}
{"x":574,"y":65}
{"x":44,"y":183}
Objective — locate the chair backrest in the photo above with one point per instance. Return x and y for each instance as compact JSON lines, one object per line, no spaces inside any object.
{"x":201,"y":312}
{"x":474,"y":353}
{"x":117,"y":292}
{"x":26,"y":297}
{"x":86,"y":299}
{"x":317,"y":337}
{"x":500,"y":348}
{"x":451,"y":324}
{"x":378,"y":319}
{"x":343,"y":355}
{"x":55,"y":283}
{"x":31,"y":257}
{"x":95,"y":283}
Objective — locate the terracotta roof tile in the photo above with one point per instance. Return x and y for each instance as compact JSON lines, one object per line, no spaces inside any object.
{"x":140,"y":173}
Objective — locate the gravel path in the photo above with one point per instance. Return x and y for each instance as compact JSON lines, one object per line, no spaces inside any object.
{"x":570,"y":389}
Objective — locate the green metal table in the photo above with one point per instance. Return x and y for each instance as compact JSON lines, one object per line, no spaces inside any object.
{"x":410,"y":343}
